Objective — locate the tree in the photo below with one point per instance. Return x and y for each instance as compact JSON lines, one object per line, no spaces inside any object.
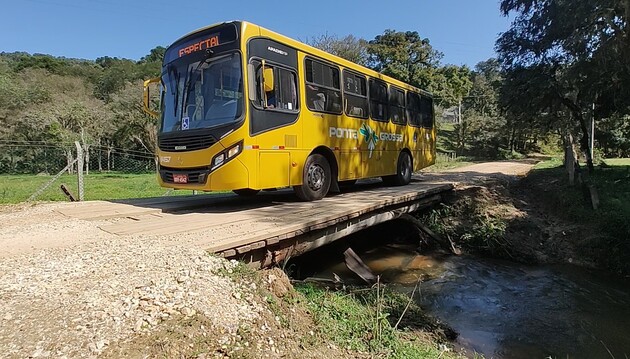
{"x":484,"y":126}
{"x":349,"y":47}
{"x":450,"y":84}
{"x":577,"y":50}
{"x":155,"y":55}
{"x":404,"y":56}
{"x":134,"y":128}
{"x":115,"y":75}
{"x":151,"y":65}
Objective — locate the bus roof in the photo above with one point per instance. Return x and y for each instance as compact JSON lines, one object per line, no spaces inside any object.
{"x":298,"y":45}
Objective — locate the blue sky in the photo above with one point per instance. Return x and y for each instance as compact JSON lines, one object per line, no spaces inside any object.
{"x":464,"y":30}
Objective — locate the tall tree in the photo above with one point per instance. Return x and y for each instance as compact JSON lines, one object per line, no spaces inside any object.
{"x":484,"y":126}
{"x":405,"y":56}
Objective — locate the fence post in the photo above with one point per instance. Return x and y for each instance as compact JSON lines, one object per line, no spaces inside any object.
{"x":79,"y":169}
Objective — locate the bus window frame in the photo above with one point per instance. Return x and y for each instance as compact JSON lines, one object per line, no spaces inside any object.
{"x":386,"y":104}
{"x":275,"y":65}
{"x":367,"y":93}
{"x":409,"y":123}
{"x":430,"y":98}
{"x":306,"y":83}
{"x":404,"y":106}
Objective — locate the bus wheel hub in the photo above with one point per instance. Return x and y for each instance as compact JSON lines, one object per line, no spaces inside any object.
{"x":316,"y":177}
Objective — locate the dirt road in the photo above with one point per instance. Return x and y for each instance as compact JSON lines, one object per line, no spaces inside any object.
{"x":482,"y":172}
{"x":68,"y":288}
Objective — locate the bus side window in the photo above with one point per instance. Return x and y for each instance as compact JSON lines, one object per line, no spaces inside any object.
{"x":323,"y":87}
{"x":378,"y":100}
{"x":286,"y":90}
{"x":413,"y":109}
{"x":275,"y":88}
{"x":355,"y":91}
{"x":397,"y":106}
{"x":426,"y":110}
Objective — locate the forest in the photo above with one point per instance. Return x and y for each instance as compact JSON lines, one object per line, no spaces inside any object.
{"x":559,"y":66}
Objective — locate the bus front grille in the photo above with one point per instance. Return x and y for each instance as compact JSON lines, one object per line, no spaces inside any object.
{"x":188,"y":143}
{"x":193,"y":175}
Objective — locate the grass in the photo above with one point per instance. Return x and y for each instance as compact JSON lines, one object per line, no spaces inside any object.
{"x":549,"y":184}
{"x":442,"y":164}
{"x":475,"y":221}
{"x":554,"y":162}
{"x":110,"y":185}
{"x":362,"y":321}
{"x":617,"y":161}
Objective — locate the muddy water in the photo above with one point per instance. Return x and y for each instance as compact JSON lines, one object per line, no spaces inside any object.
{"x":506,"y":310}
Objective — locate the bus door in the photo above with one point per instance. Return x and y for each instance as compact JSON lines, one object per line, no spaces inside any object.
{"x":274,"y":109}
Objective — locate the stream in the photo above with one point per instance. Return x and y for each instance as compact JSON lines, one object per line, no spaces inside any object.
{"x":503,"y":309}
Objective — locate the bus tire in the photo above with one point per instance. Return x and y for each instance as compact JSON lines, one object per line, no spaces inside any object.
{"x":316,"y":179}
{"x":246,"y":192}
{"x":404,"y":169}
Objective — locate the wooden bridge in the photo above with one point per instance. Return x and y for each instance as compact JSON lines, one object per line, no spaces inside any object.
{"x":263,"y":229}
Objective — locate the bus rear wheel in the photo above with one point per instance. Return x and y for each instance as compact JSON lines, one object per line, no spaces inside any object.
{"x":316,"y":179}
{"x":404,"y":169}
{"x":246,"y":192}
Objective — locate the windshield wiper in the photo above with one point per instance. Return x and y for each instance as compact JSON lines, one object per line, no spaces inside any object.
{"x":205,"y":59}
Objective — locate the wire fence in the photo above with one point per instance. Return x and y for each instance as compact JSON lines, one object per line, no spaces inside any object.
{"x":46,"y":171}
{"x":446,"y":156}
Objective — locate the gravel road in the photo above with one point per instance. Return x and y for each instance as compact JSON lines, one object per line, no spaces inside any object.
{"x":86,"y":288}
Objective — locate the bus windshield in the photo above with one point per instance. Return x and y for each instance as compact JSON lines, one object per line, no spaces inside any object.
{"x":202,"y":94}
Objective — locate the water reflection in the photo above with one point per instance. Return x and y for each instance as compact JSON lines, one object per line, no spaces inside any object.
{"x":507,"y":310}
{"x":512,"y":311}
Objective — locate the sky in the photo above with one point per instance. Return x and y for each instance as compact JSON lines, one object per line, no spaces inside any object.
{"x":463,"y":30}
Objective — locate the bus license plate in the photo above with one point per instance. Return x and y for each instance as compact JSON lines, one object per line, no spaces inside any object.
{"x":180,"y":178}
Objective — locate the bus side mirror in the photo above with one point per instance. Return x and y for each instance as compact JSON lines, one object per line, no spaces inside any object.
{"x":147,"y":98}
{"x":268,"y":79}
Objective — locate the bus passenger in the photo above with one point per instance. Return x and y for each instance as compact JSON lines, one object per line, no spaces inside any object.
{"x":319,"y":103}
{"x":271,"y":99}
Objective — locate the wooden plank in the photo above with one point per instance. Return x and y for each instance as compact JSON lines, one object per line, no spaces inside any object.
{"x":250,"y":247}
{"x":191,"y":222}
{"x":107,"y":212}
{"x":172,"y":224}
{"x":287,"y":231}
{"x":97,"y":210}
{"x":227,"y":254}
{"x":333,"y":217}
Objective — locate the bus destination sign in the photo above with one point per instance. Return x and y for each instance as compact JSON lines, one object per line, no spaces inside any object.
{"x":211,"y":41}
{"x":197,"y":42}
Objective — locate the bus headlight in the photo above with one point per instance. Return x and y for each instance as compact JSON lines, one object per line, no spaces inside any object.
{"x":218,"y":160}
{"x":234,"y":150}
{"x":224,"y":156}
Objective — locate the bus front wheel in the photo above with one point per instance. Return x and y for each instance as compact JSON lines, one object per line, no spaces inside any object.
{"x":316,"y":179}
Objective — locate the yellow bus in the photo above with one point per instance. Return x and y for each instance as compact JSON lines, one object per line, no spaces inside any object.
{"x":245,"y":109}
